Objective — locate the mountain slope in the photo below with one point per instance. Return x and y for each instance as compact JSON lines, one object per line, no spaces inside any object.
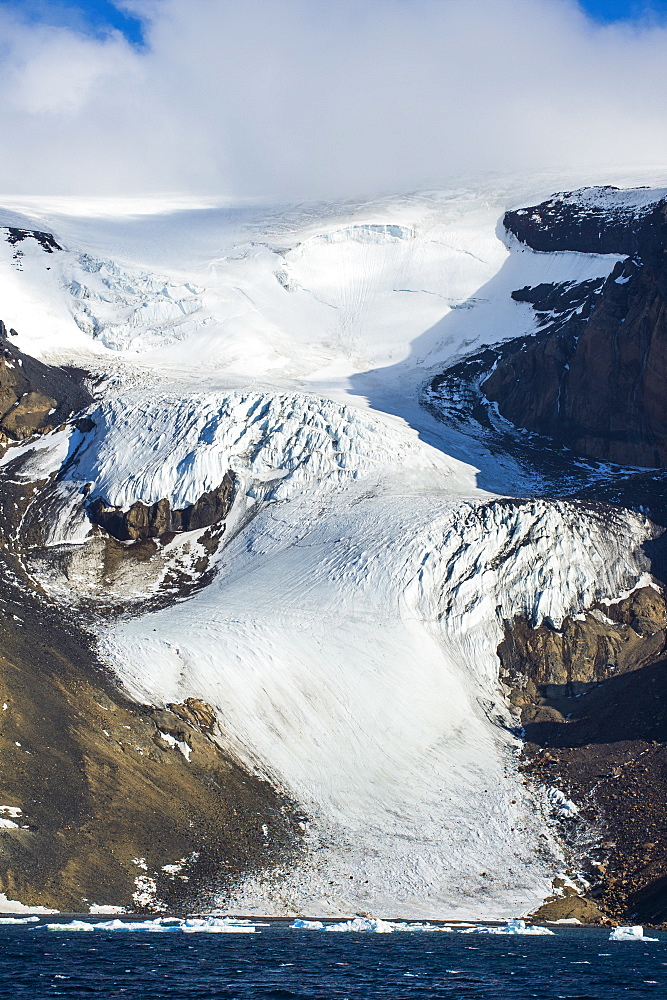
{"x":342,"y":612}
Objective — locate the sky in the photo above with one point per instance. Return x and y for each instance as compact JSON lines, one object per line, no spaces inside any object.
{"x":301,"y":99}
{"x":607,"y":11}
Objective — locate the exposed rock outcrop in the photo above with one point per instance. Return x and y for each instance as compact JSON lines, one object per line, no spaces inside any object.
{"x":119,"y":803}
{"x":592,"y":699}
{"x":589,"y":648}
{"x":158,"y":520}
{"x":567,"y":904}
{"x":46,"y":241}
{"x":598,"y":382}
{"x":34,"y":397}
{"x":590,"y":220}
{"x":196,"y":712}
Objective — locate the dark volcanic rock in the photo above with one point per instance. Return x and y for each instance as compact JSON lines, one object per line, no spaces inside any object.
{"x":143,"y":521}
{"x":597,"y":383}
{"x":34,"y":397}
{"x":591,"y":220}
{"x":46,"y":240}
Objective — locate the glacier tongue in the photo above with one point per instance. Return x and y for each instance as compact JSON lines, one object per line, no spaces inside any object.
{"x":348,"y":642}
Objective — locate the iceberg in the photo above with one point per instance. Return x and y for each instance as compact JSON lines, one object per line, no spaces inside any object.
{"x":73,"y":925}
{"x":215,"y":925}
{"x":511,"y":927}
{"x":368,"y":925}
{"x":635,"y":933}
{"x":162,"y":925}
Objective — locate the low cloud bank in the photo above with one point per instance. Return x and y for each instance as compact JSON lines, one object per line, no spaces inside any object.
{"x":307,"y":98}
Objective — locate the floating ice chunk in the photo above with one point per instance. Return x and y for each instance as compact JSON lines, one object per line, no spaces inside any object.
{"x":371,"y":925}
{"x":73,"y":925}
{"x":18,"y":920}
{"x":423,"y":927}
{"x":154,"y":926}
{"x":635,"y":933}
{"x":215,"y":925}
{"x":511,"y":927}
{"x":162,"y":925}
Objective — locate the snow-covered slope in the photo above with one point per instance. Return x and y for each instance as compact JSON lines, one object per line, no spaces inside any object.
{"x":348,"y":641}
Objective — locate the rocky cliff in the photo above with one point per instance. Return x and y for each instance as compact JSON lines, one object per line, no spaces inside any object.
{"x":158,"y":520}
{"x":34,"y":397}
{"x":595,"y":382}
{"x":591,"y":698}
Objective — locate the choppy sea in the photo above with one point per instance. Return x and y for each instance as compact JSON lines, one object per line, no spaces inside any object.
{"x":136,"y":958}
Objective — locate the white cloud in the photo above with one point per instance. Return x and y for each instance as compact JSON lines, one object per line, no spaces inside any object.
{"x":308,"y":98}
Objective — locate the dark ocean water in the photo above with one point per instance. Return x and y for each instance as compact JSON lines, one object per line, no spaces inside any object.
{"x":280,"y":963}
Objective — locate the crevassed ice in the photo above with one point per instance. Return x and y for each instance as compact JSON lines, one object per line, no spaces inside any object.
{"x":182,"y":446}
{"x":366,"y":233}
{"x":131,"y":309}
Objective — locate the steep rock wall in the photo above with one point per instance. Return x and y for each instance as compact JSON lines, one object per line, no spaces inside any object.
{"x":598,"y":387}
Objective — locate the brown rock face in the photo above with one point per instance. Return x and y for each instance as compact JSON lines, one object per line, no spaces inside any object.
{"x":568,"y":905}
{"x":589,"y":648}
{"x":601,"y":390}
{"x":197,"y":712}
{"x":34,"y":398}
{"x":592,"y":699}
{"x":143,"y":521}
{"x":111,"y":810}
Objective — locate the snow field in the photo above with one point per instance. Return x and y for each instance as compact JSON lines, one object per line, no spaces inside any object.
{"x":319,"y":295}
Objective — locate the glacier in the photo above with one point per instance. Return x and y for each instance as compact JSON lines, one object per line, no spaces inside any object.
{"x":347,"y":640}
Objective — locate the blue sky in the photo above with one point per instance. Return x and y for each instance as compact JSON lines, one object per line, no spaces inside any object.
{"x":96,"y":17}
{"x":625,"y":10}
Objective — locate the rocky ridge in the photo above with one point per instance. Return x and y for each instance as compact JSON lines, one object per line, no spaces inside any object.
{"x":596,"y":381}
{"x":158,"y":520}
{"x":34,"y":397}
{"x":589,"y":695}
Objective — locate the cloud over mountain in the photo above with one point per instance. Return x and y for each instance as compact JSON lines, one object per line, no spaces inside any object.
{"x":295,"y":98}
